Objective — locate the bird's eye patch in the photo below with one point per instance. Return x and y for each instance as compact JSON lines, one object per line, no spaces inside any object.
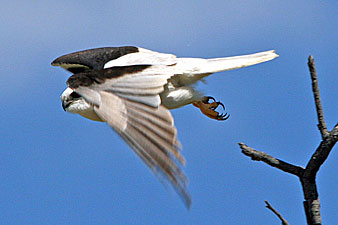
{"x":75,"y":95}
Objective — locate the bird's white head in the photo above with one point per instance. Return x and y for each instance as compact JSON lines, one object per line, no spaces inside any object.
{"x":72,"y":102}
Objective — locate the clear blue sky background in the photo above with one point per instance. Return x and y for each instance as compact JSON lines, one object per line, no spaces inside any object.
{"x":58,"y":168}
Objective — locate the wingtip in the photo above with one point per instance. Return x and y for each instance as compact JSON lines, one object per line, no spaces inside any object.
{"x":187,"y":200}
{"x":54,"y":63}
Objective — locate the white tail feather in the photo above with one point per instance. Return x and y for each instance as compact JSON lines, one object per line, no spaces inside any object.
{"x":235,"y":62}
{"x":195,"y":69}
{"x":208,"y":66}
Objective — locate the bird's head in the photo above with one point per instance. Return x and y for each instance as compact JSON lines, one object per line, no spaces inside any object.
{"x":73,"y":102}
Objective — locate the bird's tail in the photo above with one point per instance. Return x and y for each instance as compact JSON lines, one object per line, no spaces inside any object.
{"x":200,"y":68}
{"x":235,"y":62}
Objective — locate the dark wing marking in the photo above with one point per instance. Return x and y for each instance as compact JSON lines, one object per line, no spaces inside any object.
{"x":140,"y":83}
{"x":100,"y":76}
{"x":91,"y":59}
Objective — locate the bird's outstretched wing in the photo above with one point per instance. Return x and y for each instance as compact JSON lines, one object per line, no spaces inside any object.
{"x":127,"y":98}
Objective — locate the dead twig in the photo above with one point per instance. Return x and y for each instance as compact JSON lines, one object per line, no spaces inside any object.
{"x":284,"y":221}
{"x":315,"y":89}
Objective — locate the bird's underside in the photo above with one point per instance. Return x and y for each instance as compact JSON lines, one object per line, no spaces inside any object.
{"x":132,"y":90}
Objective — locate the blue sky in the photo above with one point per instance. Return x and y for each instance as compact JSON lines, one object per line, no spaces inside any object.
{"x":58,"y":168}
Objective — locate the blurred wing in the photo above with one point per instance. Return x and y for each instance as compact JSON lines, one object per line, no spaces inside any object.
{"x":151,"y":134}
{"x":130,"y":104}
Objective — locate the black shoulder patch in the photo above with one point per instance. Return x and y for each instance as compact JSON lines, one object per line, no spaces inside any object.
{"x":99,"y":76}
{"x":93,"y":59}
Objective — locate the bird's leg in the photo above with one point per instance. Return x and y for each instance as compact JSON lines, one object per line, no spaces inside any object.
{"x":209,"y":108}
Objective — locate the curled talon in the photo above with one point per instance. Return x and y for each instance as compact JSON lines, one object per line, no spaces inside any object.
{"x":209,"y":108}
{"x":220,"y":103}
{"x":207,"y":98}
{"x":223,"y":116}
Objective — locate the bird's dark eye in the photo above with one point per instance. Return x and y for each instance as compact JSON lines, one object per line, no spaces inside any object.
{"x":75,"y":95}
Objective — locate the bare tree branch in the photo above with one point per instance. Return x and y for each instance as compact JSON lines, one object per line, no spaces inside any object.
{"x":308,"y":180}
{"x":284,"y":221}
{"x":272,"y":161}
{"x":307,"y":176}
{"x":315,"y":89}
{"x":321,"y":154}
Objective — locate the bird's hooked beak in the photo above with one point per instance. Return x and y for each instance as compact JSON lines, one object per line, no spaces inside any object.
{"x":65,"y":104}
{"x":66,"y":98}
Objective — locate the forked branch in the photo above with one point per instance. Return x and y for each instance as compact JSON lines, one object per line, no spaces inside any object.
{"x":307,"y":176}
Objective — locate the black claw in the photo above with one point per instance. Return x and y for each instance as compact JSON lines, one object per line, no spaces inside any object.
{"x":223,"y":116}
{"x":207,"y":98}
{"x":227,"y":117}
{"x":220,"y":103}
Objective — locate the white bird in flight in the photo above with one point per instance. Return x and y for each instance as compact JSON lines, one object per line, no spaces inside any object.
{"x":132,"y":89}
